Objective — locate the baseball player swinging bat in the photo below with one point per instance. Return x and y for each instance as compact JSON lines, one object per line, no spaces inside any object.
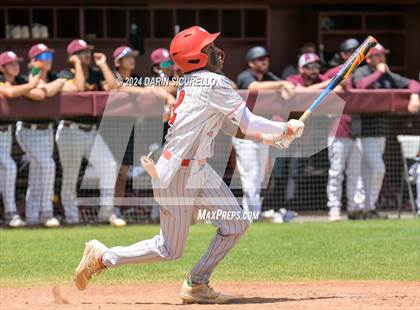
{"x":183,"y":181}
{"x":348,"y":67}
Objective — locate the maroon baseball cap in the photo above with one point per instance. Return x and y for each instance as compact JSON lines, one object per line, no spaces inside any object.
{"x":124,"y":51}
{"x":38,"y":49}
{"x":8,"y":57}
{"x":78,"y":45}
{"x":159,"y":55}
{"x":307,"y":58}
{"x":378,"y":49}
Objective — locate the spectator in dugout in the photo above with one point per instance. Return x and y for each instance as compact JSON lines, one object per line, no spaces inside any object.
{"x":162,"y":66}
{"x":76,"y":136}
{"x":308,"y":78}
{"x":252,"y":157}
{"x":308,"y":47}
{"x":36,"y":139}
{"x":375,"y":74}
{"x":344,"y":152}
{"x":12,"y":85}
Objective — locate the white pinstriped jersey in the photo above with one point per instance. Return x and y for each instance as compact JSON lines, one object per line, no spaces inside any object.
{"x":204,"y":100}
{"x":200,"y":114}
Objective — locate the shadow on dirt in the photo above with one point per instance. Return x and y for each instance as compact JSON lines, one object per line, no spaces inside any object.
{"x":239,"y":300}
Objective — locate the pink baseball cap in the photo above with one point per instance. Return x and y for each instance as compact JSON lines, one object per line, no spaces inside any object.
{"x":159,"y":55}
{"x":78,"y":45}
{"x":378,"y":49}
{"x":307,"y":58}
{"x":124,"y":51}
{"x":8,"y":57}
{"x":38,"y":49}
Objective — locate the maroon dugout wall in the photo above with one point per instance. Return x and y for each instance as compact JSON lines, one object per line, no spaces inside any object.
{"x":280,"y":25}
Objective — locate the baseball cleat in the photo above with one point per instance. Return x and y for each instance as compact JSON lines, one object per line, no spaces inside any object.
{"x":117,"y":221}
{"x":51,"y":222}
{"x":90,"y":264}
{"x":201,"y":294}
{"x":16,"y":222}
{"x":355,"y":215}
{"x":375,"y":215}
{"x":278,"y":218}
{"x":334,"y":214}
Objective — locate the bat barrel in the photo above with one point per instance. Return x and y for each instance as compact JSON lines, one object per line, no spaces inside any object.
{"x":348,"y":67}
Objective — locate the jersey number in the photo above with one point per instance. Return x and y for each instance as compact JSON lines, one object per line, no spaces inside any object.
{"x":177,"y":104}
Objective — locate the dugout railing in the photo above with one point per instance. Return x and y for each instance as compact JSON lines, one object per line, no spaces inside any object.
{"x":297,"y":182}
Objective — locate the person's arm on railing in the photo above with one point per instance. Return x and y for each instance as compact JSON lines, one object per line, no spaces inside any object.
{"x":366,"y":82}
{"x":320,"y":85}
{"x":52,"y":88}
{"x":27,"y":89}
{"x":414,"y":87}
{"x":258,"y":85}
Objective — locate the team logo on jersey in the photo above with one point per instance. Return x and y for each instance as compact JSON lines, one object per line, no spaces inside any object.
{"x":177,"y":104}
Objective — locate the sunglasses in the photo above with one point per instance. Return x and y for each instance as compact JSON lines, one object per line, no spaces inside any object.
{"x":46,"y":56}
{"x":166,"y":64}
{"x":312,"y":66}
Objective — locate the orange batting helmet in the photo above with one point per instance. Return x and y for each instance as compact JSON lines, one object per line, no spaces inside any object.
{"x":186,"y":48}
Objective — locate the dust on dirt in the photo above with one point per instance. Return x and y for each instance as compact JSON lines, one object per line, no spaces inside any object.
{"x":250,"y":295}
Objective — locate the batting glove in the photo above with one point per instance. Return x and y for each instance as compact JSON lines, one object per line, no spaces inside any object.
{"x":149,"y":165}
{"x":294,"y":129}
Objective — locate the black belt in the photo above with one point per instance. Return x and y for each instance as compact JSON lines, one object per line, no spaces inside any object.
{"x":4,"y":128}
{"x":37,"y":126}
{"x":80,"y":126}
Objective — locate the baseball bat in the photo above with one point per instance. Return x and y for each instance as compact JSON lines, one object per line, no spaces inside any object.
{"x":348,"y":67}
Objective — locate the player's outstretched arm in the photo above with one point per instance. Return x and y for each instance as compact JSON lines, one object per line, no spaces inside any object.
{"x":226,"y":100}
{"x":277,"y":134}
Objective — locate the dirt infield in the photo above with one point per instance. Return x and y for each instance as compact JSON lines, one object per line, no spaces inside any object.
{"x":294,"y":295}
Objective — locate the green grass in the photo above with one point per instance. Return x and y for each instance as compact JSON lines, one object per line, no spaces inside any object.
{"x":365,"y":250}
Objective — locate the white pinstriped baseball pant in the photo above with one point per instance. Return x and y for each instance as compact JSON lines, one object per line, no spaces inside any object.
{"x":345,"y":155}
{"x":38,"y":144}
{"x":251,"y":158}
{"x":74,"y":144}
{"x":176,"y":208}
{"x":373,"y":169}
{"x":7,"y":173}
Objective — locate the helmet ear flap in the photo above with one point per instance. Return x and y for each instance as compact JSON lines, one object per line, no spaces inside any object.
{"x":200,"y":61}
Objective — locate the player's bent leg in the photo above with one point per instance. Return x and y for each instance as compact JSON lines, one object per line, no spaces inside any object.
{"x":168,"y":245}
{"x":215,"y":196}
{"x":90,"y":264}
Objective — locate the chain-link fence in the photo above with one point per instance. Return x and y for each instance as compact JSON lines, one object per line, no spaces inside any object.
{"x":55,"y":163}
